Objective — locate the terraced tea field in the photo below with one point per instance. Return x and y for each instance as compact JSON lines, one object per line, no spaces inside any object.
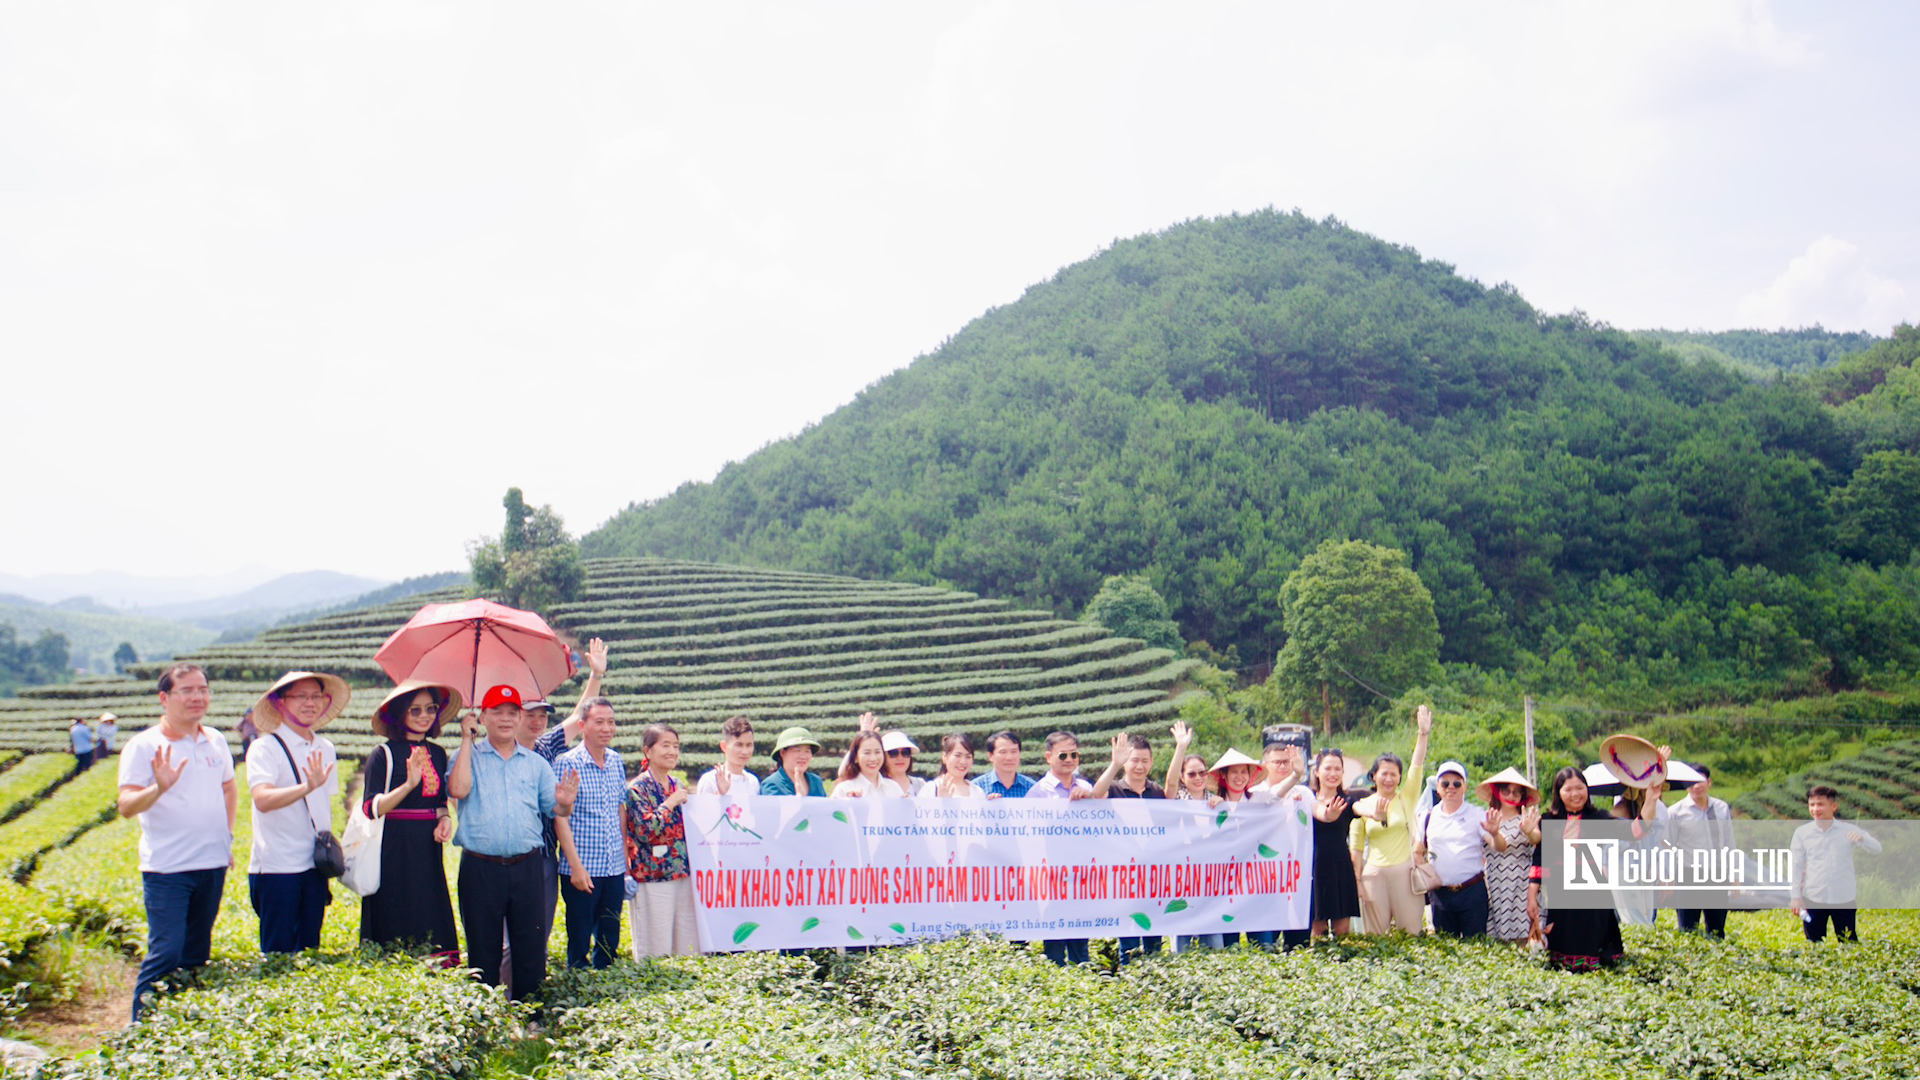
{"x":695,"y":643}
{"x":1879,"y":784}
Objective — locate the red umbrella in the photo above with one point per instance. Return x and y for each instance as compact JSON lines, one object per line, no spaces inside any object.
{"x":476,"y":645}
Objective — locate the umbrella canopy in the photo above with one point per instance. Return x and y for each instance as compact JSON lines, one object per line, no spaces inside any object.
{"x":1601,"y":781}
{"x":475,"y":645}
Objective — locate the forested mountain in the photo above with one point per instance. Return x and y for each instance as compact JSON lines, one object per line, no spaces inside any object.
{"x":1205,"y":405}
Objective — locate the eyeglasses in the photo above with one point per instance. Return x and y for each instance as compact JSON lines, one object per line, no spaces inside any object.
{"x":423,"y":710}
{"x":305,"y":699}
{"x":1453,"y":783}
{"x":1067,"y":755}
{"x":900,"y":753}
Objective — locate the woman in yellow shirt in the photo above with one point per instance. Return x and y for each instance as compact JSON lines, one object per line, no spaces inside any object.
{"x":1382,"y":842}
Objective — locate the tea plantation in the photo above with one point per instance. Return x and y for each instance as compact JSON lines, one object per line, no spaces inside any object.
{"x":1880,"y":783}
{"x":695,"y":643}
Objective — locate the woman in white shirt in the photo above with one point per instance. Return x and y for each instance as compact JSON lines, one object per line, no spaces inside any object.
{"x":860,"y":776}
{"x":956,"y":761}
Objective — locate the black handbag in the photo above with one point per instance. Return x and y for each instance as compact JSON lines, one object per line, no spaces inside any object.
{"x":328,"y":858}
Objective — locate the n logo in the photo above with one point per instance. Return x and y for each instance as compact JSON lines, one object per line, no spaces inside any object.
{"x":1592,"y":864}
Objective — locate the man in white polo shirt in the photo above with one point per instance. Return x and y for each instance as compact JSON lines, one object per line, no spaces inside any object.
{"x":1456,"y":835}
{"x":176,"y":778}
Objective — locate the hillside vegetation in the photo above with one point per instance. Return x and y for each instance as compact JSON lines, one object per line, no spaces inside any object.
{"x":1592,"y":513}
{"x":692,"y":644}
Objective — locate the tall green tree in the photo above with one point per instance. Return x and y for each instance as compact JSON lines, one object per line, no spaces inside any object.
{"x":124,"y":656}
{"x":1877,"y":515}
{"x":533,"y":564}
{"x":1359,"y":623}
{"x":1130,"y":607}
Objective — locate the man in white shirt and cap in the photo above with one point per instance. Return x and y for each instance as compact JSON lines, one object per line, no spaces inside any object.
{"x":176,"y":779}
{"x":1454,"y":835}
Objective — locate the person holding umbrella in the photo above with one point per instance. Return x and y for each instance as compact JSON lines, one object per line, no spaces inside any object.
{"x":502,"y":791}
{"x":292,"y":806}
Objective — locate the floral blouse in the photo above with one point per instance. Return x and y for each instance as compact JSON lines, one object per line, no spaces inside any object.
{"x":656,"y":837}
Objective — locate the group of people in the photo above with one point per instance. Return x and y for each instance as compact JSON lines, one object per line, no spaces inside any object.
{"x":547,"y":819}
{"x":92,"y":742}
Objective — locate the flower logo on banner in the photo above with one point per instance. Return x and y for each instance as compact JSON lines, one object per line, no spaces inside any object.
{"x":730,"y":817}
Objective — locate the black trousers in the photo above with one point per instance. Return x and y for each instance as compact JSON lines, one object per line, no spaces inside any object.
{"x":292,"y":909}
{"x":1460,"y":912}
{"x":1814,"y":922}
{"x":1690,"y":919}
{"x":493,"y":893}
{"x":593,"y":918}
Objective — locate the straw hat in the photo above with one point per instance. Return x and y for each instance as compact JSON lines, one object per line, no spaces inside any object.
{"x":1632,"y":760}
{"x":404,"y":693}
{"x":266,"y":712}
{"x":1530,"y":795}
{"x":1227,"y":760}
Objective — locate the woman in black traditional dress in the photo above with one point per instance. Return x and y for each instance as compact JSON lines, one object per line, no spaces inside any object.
{"x":1578,"y":939}
{"x":1336,"y":892}
{"x":406,"y":782}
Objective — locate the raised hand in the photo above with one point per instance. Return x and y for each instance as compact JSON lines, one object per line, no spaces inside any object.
{"x":565,"y":790}
{"x":1530,"y":820}
{"x":1381,"y":808}
{"x":722,"y":779}
{"x":1423,"y":719}
{"x":165,"y":772}
{"x":318,"y":771}
{"x":416,"y":770}
{"x":1335,"y":806}
{"x":869,"y":722}
{"x":597,"y":657}
{"x":1491,"y":823}
{"x":1121,"y":748}
{"x":1298,"y":760}
{"x":1182,"y":734}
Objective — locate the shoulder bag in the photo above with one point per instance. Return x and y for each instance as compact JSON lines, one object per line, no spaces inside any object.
{"x":1425,"y":877}
{"x":362,"y":843}
{"x":327,"y":856}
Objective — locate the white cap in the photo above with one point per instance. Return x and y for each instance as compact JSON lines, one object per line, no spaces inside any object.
{"x":1452,"y":767}
{"x":897,"y":740}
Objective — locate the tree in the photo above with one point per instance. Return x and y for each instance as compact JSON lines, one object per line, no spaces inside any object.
{"x":1359,"y":622}
{"x":1130,"y":607}
{"x":123,"y":657}
{"x":533,"y":564}
{"x":1877,"y":514}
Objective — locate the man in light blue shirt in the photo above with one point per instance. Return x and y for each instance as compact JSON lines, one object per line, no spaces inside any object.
{"x":1003,"y":781}
{"x":593,"y":843}
{"x":501,"y":790}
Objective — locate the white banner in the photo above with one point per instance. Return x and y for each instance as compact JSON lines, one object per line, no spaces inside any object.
{"x":774,"y":872}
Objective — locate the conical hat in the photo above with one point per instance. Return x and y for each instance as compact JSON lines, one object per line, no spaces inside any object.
{"x":266,"y":712}
{"x":1230,"y":758}
{"x":405,"y":692}
{"x":1632,"y":760}
{"x":1509,"y":775}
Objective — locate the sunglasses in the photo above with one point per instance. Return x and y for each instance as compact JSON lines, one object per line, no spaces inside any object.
{"x":1067,"y":755}
{"x":900,"y":753}
{"x":1453,"y":783}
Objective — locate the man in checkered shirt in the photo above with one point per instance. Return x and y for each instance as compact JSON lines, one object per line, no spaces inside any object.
{"x":593,"y":849}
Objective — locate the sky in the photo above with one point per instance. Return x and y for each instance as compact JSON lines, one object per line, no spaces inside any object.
{"x":292,"y":287}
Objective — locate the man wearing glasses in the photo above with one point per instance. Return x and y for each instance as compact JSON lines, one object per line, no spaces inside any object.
{"x":1063,"y":781}
{"x":1455,"y":835}
{"x":176,"y":779}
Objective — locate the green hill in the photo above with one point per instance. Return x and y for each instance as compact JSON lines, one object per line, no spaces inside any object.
{"x":1593,"y":513}
{"x":92,"y":637}
{"x":1881,"y":783}
{"x":1764,"y":352}
{"x":692,"y":644}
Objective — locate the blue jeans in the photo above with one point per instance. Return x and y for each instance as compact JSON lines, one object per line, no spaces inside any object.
{"x":1148,"y":945}
{"x":292,"y":908}
{"x":593,"y":918}
{"x":1199,"y":941}
{"x":1064,"y":951}
{"x":180,"y":912}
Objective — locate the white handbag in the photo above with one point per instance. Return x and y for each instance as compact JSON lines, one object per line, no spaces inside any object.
{"x":362,"y":842}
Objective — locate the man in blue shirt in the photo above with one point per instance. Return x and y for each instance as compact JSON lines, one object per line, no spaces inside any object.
{"x":593,"y":844}
{"x":502,"y":790}
{"x":1003,"y":781}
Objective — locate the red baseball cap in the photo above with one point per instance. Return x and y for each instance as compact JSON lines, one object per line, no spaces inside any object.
{"x":500,"y":695}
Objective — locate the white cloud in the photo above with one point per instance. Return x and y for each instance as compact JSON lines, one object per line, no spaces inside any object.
{"x":1831,"y":284}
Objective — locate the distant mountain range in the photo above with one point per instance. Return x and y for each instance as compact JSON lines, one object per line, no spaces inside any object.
{"x":198,"y":602}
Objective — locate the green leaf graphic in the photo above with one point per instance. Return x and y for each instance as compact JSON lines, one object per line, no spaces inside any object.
{"x":1143,"y":922}
{"x":1302,"y":815}
{"x":802,"y":827}
{"x":854,"y":933}
{"x":809,"y":924}
{"x":841,"y":815}
{"x":1267,"y":852}
{"x":744,"y":931}
{"x":1176,"y":905}
{"x":1226,"y":918}
{"x":896,"y":928}
{"x":1221,"y":819}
